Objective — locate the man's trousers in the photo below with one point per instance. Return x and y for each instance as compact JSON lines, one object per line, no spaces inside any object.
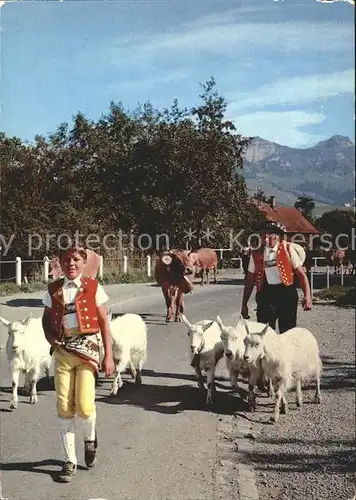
{"x":277,"y":302}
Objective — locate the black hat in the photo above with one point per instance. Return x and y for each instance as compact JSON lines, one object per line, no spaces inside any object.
{"x":276,"y":227}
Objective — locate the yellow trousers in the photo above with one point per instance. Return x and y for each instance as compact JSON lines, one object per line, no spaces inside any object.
{"x":74,"y":382}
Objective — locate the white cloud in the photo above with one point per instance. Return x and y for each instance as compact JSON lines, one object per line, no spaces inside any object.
{"x":297,"y":90}
{"x":282,"y":127}
{"x":232,"y":38}
{"x":352,"y":2}
{"x":146,"y":83}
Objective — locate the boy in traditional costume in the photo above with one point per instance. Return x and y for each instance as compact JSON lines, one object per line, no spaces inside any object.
{"x":74,"y":315}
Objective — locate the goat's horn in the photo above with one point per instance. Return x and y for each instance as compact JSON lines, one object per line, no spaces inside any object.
{"x":246,"y":326}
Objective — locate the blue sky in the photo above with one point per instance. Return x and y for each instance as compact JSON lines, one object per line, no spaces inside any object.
{"x":285,"y":67}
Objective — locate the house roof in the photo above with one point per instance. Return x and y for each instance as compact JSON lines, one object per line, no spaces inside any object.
{"x":290,"y":217}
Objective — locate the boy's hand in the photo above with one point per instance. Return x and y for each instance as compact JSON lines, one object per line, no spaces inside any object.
{"x":108,"y":366}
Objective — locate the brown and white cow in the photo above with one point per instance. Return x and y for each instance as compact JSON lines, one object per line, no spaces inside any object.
{"x":90,"y":269}
{"x":170,"y":273}
{"x":206,"y":260}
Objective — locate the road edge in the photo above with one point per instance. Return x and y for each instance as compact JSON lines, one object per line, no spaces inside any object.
{"x":235,"y":477}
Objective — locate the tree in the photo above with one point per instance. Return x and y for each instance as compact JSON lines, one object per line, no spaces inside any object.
{"x":260,"y":195}
{"x":148,"y":171}
{"x":305,"y":205}
{"x":337,"y":222}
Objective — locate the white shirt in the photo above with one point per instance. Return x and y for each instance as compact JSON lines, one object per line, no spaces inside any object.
{"x":70,"y":290}
{"x":270,"y":259}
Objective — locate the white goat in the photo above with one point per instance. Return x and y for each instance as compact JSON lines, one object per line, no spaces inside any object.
{"x":27,"y":351}
{"x":288,"y":357}
{"x":233,"y":341}
{"x":234,"y":350}
{"x":206,"y":351}
{"x":129,"y":347}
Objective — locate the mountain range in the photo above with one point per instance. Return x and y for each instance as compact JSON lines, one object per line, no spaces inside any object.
{"x":324,"y":172}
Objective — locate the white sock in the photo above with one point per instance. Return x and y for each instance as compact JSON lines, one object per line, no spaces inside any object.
{"x":67,"y":430}
{"x":89,"y":427}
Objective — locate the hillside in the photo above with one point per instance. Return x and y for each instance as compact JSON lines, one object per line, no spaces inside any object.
{"x":325,"y":172}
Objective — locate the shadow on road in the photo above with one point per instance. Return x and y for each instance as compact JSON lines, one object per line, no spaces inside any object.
{"x":23,"y":302}
{"x":44,"y":384}
{"x":173,"y":399}
{"x":338,"y":374}
{"x":37,"y":467}
{"x":337,"y":456}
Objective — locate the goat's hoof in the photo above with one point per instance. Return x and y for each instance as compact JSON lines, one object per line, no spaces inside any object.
{"x":114,"y":391}
{"x":284,"y":410}
{"x":317,"y":399}
{"x":209,"y":401}
{"x":33,"y":400}
{"x":273,"y":419}
{"x":138,"y":381}
{"x":14,"y":404}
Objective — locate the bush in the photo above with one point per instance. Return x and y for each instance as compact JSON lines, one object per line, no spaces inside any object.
{"x":340,"y":295}
{"x":12,"y":289}
{"x":135,"y":276}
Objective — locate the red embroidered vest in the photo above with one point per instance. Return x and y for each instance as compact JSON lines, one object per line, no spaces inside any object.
{"x":284,"y":266}
{"x":84,"y":304}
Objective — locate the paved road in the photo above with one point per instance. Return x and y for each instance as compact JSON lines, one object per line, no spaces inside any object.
{"x":157,"y":442}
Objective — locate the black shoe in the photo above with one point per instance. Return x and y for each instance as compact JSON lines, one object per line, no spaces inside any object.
{"x":67,"y":473}
{"x":91,"y":448}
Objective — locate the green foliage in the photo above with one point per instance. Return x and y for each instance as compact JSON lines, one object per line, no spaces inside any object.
{"x":337,"y":222}
{"x":133,"y":276}
{"x":305,"y":205}
{"x":146,"y":171}
{"x":260,"y":195}
{"x":12,"y":289}
{"x":339,"y":295}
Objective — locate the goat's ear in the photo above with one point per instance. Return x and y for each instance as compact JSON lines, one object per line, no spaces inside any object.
{"x":264,"y":331}
{"x":239,"y":321}
{"x":27,"y":320}
{"x":246,"y":326}
{"x":219,"y":322}
{"x":185,"y":321}
{"x":4,"y":321}
{"x":208,"y":325}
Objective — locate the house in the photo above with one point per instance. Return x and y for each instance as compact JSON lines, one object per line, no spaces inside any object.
{"x":290,"y":217}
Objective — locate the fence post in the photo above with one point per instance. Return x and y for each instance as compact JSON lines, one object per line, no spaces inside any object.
{"x":101,"y":267}
{"x":18,"y":271}
{"x":45,"y":269}
{"x":312,"y":281}
{"x":327,"y":277}
{"x":125,"y":264}
{"x":149,"y":266}
{"x":342,"y":274}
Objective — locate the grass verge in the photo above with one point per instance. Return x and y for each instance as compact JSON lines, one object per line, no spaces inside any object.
{"x":338,"y":295}
{"x":108,"y":279}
